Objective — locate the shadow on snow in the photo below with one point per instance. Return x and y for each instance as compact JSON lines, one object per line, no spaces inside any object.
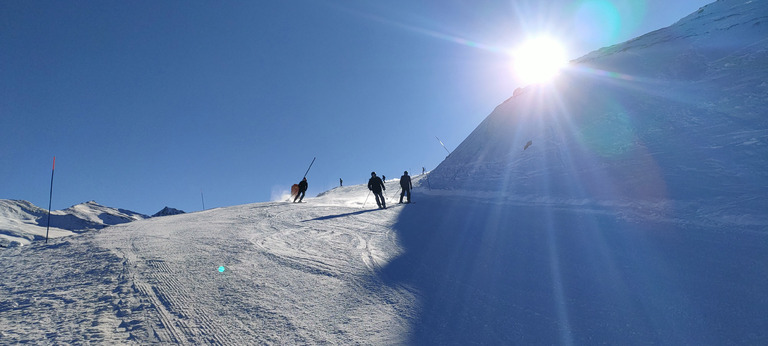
{"x":340,"y":215}
{"x":499,"y":274}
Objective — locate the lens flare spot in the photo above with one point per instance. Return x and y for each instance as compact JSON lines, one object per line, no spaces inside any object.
{"x":597,"y":21}
{"x":222,"y":269}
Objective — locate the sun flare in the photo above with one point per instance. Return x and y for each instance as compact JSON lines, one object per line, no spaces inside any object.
{"x":538,"y":60}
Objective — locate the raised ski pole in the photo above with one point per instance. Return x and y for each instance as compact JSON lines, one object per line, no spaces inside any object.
{"x":310,"y":166}
{"x":50,"y":200}
{"x":441,"y":143}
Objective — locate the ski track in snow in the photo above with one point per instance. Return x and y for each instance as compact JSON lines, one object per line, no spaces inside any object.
{"x":294,"y":274}
{"x":307,"y":273}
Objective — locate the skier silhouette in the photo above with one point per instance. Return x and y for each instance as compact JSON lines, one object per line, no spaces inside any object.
{"x":405,"y":184}
{"x":377,"y":186}
{"x":302,"y":190}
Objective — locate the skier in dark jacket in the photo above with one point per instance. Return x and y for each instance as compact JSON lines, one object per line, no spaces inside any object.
{"x":405,"y":184}
{"x":377,"y":186}
{"x":302,"y":190}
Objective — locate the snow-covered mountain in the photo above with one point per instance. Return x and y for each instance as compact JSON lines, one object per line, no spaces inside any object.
{"x":675,"y":119}
{"x":22,"y":222}
{"x":168,"y":211}
{"x":636,"y":216}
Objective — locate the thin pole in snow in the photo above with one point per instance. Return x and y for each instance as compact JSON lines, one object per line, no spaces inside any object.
{"x":202,"y":199}
{"x":393,"y":196}
{"x":441,"y":143}
{"x":310,"y":166}
{"x":366,"y":199}
{"x":50,"y":200}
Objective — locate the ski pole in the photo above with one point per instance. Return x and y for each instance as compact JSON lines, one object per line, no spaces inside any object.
{"x":366,"y":199}
{"x":310,"y":166}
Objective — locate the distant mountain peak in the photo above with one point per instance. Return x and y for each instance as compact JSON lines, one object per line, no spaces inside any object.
{"x":168,"y":211}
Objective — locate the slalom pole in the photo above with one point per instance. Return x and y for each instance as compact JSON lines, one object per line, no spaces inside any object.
{"x":202,"y":198}
{"x":50,"y":200}
{"x":310,"y":166}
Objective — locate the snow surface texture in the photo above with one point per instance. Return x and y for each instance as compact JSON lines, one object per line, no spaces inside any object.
{"x":637,"y":216}
{"x":266,"y":273}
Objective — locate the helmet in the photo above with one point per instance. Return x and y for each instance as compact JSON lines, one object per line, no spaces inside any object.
{"x":406,"y":172}
{"x":373,"y":173}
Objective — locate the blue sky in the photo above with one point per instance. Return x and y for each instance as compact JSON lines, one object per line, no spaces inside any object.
{"x":151,"y":103}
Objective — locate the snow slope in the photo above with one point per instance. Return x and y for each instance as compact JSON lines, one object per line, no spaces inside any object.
{"x":446,"y":270}
{"x":637,"y":216}
{"x":291,"y":273}
{"x":22,"y":222}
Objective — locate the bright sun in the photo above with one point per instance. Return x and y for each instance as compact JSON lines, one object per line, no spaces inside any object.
{"x":539,"y":60}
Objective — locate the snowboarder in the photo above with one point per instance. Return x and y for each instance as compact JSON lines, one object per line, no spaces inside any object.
{"x":377,"y":186}
{"x":302,"y":190}
{"x":406,"y":186}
